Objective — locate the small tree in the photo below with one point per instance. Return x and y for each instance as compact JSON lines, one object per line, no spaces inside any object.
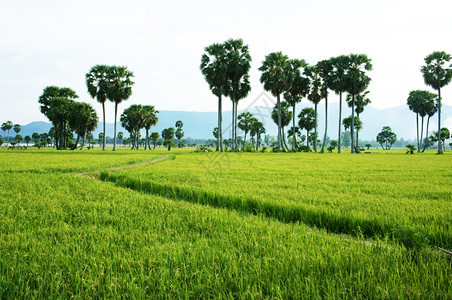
{"x":18,"y":138}
{"x":386,"y":138}
{"x":168,"y":137}
{"x":411,"y":149}
{"x":155,"y":136}
{"x":368,"y":146}
{"x":333,"y":145}
{"x":27,"y":139}
{"x":1,"y":141}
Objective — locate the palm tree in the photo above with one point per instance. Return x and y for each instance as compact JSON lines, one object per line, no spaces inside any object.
{"x":245,"y":119}
{"x":430,"y":107}
{"x":286,"y":117}
{"x":338,"y":84}
{"x":7,"y":126}
{"x":361,"y":101}
{"x":316,"y":93}
{"x":325,"y":68}
{"x":17,"y":128}
{"x":357,"y":82}
{"x":97,"y":84}
{"x":119,"y":88}
{"x":307,"y":120}
{"x":274,"y":78}
{"x":27,"y":139}
{"x":421,"y":103}
{"x":150,"y":119}
{"x":437,"y":73}
{"x":238,"y":66}
{"x":214,"y":68}
{"x":347,"y":122}
{"x":179,"y":132}
{"x":155,"y":136}
{"x":297,"y":87}
{"x":120,"y":135}
{"x":257,"y":129}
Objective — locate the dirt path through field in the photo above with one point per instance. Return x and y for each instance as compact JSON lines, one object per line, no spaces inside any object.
{"x":94,"y":173}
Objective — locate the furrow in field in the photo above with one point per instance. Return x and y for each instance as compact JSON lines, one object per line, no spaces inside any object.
{"x":332,"y":221}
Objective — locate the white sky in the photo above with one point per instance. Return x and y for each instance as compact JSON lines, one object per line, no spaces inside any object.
{"x":56,"y":42}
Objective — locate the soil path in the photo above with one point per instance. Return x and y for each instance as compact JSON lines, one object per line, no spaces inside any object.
{"x":94,"y":173}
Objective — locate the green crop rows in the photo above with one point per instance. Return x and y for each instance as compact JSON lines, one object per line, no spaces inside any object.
{"x":179,"y":224}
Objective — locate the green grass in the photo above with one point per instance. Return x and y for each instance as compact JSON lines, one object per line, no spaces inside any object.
{"x":63,"y":235}
{"x":396,"y":195}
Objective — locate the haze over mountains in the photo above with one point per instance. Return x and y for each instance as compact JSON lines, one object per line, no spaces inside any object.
{"x":200,"y":124}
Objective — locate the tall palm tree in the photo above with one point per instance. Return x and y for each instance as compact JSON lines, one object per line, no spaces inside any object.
{"x":325,"y":68}
{"x":214,"y":68}
{"x":17,"y":128}
{"x":274,"y":78}
{"x":361,"y":101}
{"x":286,"y":117}
{"x":357,"y":82}
{"x":245,"y":120}
{"x":97,"y":84}
{"x":429,"y":107}
{"x":239,"y":64}
{"x":7,"y":126}
{"x":149,"y":114}
{"x":316,"y":93}
{"x":437,"y":73}
{"x":338,"y":84}
{"x":297,"y":88}
{"x":257,"y":129}
{"x":119,"y":89}
{"x":307,"y":120}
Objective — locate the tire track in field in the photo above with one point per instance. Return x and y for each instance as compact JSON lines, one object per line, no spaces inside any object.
{"x":94,"y":174}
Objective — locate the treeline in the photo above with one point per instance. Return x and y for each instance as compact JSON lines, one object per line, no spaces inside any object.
{"x":226,"y":67}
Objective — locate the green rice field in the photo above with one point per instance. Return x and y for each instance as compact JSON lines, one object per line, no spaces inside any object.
{"x":179,"y":224}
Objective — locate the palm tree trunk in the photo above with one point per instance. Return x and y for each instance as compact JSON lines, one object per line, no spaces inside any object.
{"x":104,"y":136}
{"x":352,"y":128}
{"x":220,"y":121}
{"x":326,"y":122}
{"x":76,"y":142}
{"x":340,"y":117}
{"x":83,"y":142}
{"x":315,"y":129}
{"x":284,"y":138}
{"x":293,"y":128}
{"x":278,"y":102}
{"x":114,"y":139}
{"x":422,"y":131}
{"x":440,"y":151}
{"x":307,"y":139}
{"x":357,"y":133}
{"x":146,"y":144}
{"x":235,"y":124}
{"x":417,"y":133}
{"x":233,"y":127}
{"x":426,"y":133}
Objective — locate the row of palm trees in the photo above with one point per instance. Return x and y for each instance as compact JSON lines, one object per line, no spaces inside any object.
{"x":8,"y":125}
{"x":111,"y":83}
{"x":437,"y":73}
{"x":225,"y":67}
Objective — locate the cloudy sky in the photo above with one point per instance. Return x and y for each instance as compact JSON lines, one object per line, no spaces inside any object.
{"x":56,"y":42}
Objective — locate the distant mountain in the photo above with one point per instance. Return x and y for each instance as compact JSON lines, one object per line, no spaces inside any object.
{"x":200,"y":124}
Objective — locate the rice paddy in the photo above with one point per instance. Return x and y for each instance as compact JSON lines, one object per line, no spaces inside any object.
{"x":159,"y":224}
